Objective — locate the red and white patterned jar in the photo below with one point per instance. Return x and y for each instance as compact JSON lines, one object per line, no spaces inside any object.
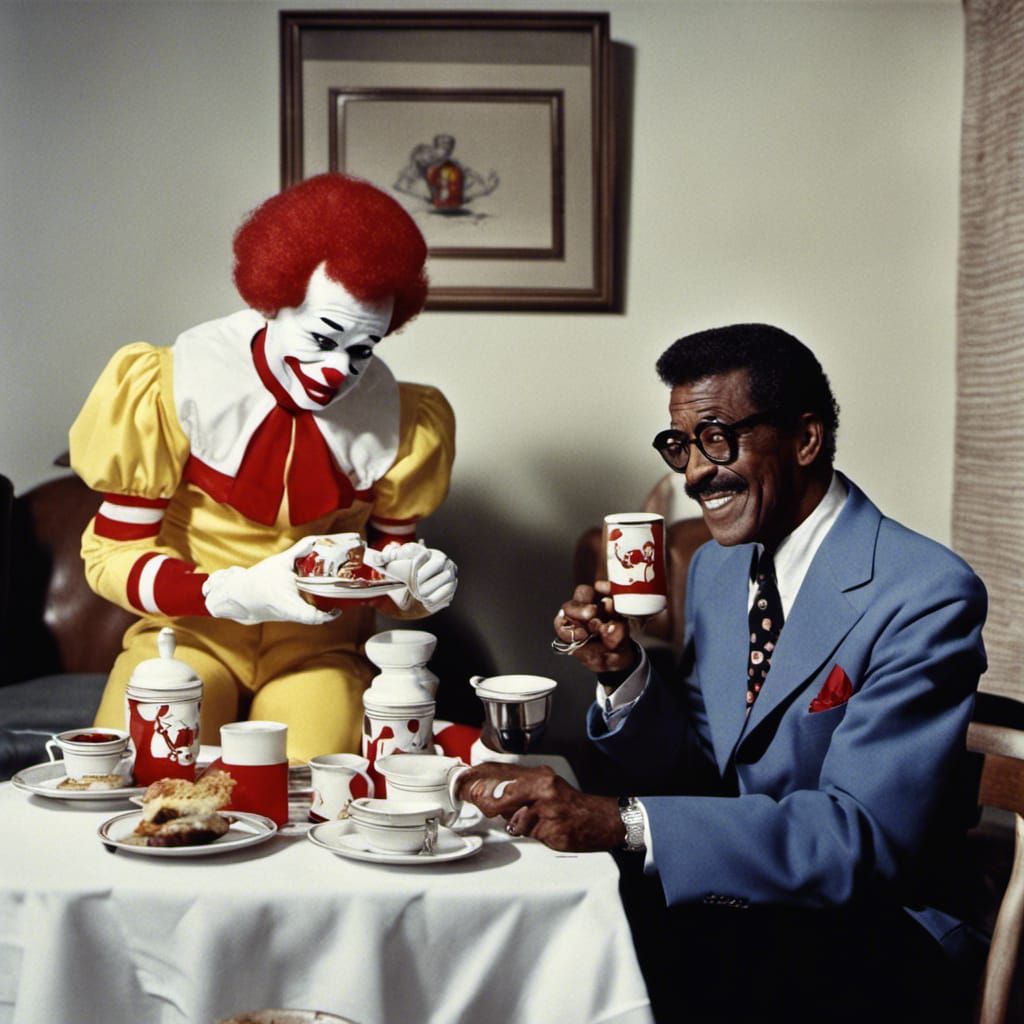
{"x":162,"y":705}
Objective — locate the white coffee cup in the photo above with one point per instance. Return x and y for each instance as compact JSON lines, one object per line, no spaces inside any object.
{"x":424,"y":777}
{"x":337,"y":780}
{"x":392,"y":826}
{"x":92,"y":751}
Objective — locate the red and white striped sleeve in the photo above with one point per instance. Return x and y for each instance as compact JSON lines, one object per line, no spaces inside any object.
{"x":123,"y":517}
{"x":157,"y":583}
{"x":161,"y":585}
{"x":127,"y":444}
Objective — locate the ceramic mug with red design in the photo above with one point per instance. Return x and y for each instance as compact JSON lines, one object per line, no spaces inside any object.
{"x":255,"y":755}
{"x":634,"y":545}
{"x":337,"y":780}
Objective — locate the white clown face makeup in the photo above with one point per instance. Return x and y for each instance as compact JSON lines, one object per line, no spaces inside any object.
{"x":317,"y":351}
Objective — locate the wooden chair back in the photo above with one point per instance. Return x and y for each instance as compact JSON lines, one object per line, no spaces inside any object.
{"x":1002,"y":787}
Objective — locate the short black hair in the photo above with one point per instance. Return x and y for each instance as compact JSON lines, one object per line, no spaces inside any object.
{"x":782,"y":371}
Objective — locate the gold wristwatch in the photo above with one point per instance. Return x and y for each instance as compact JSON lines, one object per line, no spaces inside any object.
{"x":633,"y":820}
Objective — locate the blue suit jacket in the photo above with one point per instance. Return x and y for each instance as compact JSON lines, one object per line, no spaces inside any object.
{"x":862,"y":801}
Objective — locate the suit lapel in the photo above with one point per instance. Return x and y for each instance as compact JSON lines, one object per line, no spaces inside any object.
{"x":822,"y":613}
{"x":724,"y":670}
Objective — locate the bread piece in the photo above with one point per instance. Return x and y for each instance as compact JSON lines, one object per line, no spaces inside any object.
{"x":87,"y":782}
{"x":177,"y":812}
{"x":195,"y":830}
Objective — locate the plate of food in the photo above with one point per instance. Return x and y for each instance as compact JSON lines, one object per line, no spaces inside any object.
{"x":341,"y":588}
{"x":180,"y":818}
{"x":341,"y":838}
{"x":48,"y":779}
{"x":336,"y":567}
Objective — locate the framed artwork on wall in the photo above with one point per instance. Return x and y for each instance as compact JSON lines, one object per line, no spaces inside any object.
{"x":492,"y":129}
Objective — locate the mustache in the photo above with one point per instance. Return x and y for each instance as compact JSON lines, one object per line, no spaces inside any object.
{"x":712,"y":485}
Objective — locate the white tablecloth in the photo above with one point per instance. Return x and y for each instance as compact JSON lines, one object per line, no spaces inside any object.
{"x":515,"y":933}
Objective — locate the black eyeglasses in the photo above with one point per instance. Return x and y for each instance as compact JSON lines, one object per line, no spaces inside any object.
{"x":716,"y":441}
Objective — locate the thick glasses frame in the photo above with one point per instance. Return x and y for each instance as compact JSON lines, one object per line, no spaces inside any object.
{"x":667,"y":439}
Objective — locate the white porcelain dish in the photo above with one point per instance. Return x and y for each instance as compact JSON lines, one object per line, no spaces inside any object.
{"x":332,"y":586}
{"x":246,"y":830}
{"x":43,"y":780}
{"x":340,"y":838}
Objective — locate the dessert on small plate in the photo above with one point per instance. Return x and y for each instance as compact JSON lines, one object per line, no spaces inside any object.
{"x":49,"y":780}
{"x":177,"y":812}
{"x":244,"y":829}
{"x":336,"y":568}
{"x":182,"y":818}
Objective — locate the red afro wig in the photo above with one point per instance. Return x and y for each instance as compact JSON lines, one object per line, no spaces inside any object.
{"x":367,"y":241}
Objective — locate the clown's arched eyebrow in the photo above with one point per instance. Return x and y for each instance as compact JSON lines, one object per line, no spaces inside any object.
{"x":338,"y":327}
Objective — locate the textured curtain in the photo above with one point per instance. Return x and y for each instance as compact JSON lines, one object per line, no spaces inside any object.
{"x":988,"y":498}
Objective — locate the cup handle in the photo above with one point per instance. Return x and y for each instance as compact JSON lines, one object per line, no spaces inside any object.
{"x":124,"y":766}
{"x":454,"y":774}
{"x":50,"y":744}
{"x":430,"y":836}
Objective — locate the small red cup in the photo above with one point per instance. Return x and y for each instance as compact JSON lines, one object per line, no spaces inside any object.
{"x":255,"y":755}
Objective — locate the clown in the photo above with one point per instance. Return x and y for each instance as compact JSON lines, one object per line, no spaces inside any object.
{"x":222,"y":457}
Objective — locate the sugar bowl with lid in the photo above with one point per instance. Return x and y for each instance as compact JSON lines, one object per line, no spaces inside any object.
{"x":162,"y":706}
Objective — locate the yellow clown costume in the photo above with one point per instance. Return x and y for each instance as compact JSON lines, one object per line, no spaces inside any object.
{"x":205,"y":463}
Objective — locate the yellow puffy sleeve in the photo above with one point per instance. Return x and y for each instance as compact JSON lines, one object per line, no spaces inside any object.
{"x":127,"y":441}
{"x":418,"y":480}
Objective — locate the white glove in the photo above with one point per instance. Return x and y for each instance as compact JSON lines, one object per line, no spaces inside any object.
{"x":429,"y":575}
{"x":265,"y":592}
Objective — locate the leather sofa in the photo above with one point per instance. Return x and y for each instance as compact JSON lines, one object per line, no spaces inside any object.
{"x":58,"y":639}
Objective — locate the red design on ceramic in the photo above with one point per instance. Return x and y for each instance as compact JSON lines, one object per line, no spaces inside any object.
{"x":260,"y":789}
{"x":166,"y":739}
{"x":636,"y":558}
{"x":457,"y":740}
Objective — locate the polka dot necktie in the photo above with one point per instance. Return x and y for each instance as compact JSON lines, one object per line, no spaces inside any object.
{"x":765,"y":624}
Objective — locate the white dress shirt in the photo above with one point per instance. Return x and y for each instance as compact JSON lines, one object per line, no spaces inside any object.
{"x":793,"y":558}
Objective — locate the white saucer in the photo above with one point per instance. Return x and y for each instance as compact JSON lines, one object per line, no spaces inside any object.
{"x":332,"y":586}
{"x":341,"y":838}
{"x":43,"y":779}
{"x":246,"y":830}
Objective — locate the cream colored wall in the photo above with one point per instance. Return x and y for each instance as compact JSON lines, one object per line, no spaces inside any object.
{"x":791,"y":162}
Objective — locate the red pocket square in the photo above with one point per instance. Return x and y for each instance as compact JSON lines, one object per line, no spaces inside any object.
{"x":837,"y":690}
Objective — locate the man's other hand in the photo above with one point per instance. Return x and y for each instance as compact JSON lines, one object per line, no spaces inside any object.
{"x":540,"y":804}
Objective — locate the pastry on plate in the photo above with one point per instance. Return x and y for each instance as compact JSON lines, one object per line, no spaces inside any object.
{"x":87,"y":782}
{"x":176,"y":812}
{"x":341,"y":559}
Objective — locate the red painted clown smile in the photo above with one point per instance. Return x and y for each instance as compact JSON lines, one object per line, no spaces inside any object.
{"x":318,"y":391}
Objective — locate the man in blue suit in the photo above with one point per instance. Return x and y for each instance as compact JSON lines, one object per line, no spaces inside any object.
{"x":802,"y":789}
